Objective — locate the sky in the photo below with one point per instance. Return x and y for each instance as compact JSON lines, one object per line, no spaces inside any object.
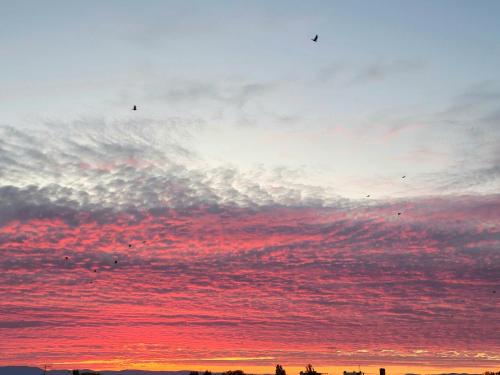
{"x":272,"y":200}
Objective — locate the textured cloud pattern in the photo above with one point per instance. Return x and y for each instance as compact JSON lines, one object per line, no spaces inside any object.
{"x":118,"y":241}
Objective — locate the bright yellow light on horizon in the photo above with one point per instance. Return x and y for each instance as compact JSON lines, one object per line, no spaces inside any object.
{"x":159,"y":365}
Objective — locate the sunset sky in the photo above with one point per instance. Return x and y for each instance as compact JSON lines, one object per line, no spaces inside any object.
{"x":253,"y":210}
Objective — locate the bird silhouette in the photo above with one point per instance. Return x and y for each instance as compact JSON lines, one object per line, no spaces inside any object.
{"x":315,"y":39}
{"x":66,"y":258}
{"x":143,"y":241}
{"x":134,"y":108}
{"x":129,"y":245}
{"x":404,"y":176}
{"x":399,"y":213}
{"x":116,"y":261}
{"x":368,"y":196}
{"x":95,"y":270}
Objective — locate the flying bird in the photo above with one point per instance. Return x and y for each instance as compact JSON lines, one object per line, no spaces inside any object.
{"x":404,"y":176}
{"x":66,"y":258}
{"x":95,"y":270}
{"x":116,"y":261}
{"x":134,"y":108}
{"x":399,"y":213}
{"x":315,"y":39}
{"x":368,"y":196}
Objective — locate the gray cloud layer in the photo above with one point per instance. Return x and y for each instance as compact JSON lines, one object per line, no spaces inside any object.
{"x":94,"y":164}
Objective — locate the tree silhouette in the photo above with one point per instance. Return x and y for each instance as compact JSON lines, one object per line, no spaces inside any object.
{"x":233,"y":372}
{"x":309,"y":371}
{"x":194,"y":373}
{"x":280,"y":370}
{"x":207,"y":372}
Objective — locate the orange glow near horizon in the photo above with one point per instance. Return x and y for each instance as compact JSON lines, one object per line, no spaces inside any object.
{"x":117,"y":365}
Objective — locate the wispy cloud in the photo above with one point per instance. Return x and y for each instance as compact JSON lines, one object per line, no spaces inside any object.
{"x":379,"y":71}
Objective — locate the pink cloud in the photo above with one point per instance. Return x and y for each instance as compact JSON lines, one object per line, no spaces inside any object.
{"x":324,"y":284}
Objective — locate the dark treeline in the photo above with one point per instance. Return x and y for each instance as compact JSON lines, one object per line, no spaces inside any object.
{"x":279,"y":371}
{"x":206,"y":372}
